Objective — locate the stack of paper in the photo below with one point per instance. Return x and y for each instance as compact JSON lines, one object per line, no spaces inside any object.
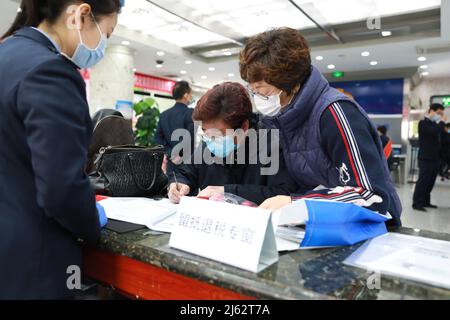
{"x":295,"y":234}
{"x":288,"y":224}
{"x":142,"y":211}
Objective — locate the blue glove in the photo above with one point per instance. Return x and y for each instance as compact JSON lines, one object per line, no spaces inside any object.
{"x":102,"y":215}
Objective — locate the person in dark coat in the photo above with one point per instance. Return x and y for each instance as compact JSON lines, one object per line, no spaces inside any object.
{"x":233,"y":157}
{"x":445,"y":153}
{"x":386,"y":143}
{"x":430,"y":144}
{"x":47,"y":207}
{"x":331,"y":147}
{"x":177,"y":117}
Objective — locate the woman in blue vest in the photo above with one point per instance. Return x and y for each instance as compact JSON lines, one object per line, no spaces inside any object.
{"x":330,"y":146}
{"x":47,"y":206}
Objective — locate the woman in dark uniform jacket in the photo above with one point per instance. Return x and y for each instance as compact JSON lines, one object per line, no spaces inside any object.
{"x":47,"y":206}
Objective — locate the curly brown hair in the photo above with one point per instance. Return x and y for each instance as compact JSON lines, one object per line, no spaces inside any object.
{"x":281,"y":57}
{"x":228,"y":101}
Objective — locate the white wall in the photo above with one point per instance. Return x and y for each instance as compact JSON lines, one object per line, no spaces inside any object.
{"x":428,"y":87}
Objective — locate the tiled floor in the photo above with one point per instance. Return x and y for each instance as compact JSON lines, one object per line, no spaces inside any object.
{"x":437,"y":220}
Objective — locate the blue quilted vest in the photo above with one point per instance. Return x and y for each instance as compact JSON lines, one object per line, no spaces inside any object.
{"x":299,"y":126}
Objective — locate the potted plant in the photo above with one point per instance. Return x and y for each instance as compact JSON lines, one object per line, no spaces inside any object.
{"x":147,"y":112}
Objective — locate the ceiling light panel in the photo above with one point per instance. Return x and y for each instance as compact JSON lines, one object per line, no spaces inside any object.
{"x":343,"y":11}
{"x":143,"y":16}
{"x":248,"y":17}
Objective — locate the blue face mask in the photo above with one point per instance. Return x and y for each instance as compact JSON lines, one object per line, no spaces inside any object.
{"x":221,"y":147}
{"x":85,"y":57}
{"x":436,"y":118}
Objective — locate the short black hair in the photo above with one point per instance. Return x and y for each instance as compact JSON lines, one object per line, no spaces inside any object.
{"x":180,"y":89}
{"x":382,"y":130}
{"x":436,"y":107}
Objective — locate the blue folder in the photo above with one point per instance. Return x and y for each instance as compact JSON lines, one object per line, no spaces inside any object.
{"x":333,"y":224}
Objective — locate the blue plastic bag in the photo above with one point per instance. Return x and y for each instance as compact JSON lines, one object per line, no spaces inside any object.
{"x":340,"y":224}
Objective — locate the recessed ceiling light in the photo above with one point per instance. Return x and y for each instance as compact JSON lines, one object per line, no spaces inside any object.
{"x":426,"y":73}
{"x":319,"y":58}
{"x":212,"y":69}
{"x":204,"y":77}
{"x":424,"y":67}
{"x":188,"y":62}
{"x":160,"y":53}
{"x":422,"y":59}
{"x":126,"y":43}
{"x":365,"y":53}
{"x":159,"y":66}
{"x":183,"y":72}
{"x":231,"y":75}
{"x":331,"y":66}
{"x":373,"y":63}
{"x":227,"y":53}
{"x":386,"y":33}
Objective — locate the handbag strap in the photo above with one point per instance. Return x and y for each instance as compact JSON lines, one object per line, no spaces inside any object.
{"x":133,"y":173}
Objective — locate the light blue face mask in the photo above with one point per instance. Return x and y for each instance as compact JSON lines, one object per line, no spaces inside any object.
{"x":85,"y":57}
{"x":436,"y":118}
{"x":221,"y":147}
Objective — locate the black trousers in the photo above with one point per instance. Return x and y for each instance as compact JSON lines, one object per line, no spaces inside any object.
{"x":428,"y":172}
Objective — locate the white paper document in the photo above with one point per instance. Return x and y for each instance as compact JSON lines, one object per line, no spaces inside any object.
{"x":165,"y":225}
{"x":415,"y":258}
{"x":142,"y":211}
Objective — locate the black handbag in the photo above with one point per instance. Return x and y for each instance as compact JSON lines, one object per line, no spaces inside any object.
{"x":129,"y":171}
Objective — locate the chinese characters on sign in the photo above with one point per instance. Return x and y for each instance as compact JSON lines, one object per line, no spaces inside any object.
{"x":216,"y":228}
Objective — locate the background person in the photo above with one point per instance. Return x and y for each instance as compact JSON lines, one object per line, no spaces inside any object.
{"x":177,"y":117}
{"x":445,"y":160}
{"x":386,"y":143}
{"x":431,"y":129}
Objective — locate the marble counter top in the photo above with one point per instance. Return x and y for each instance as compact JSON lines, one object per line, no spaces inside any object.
{"x":307,"y":274}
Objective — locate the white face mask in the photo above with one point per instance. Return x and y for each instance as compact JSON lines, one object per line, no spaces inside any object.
{"x":270,"y":107}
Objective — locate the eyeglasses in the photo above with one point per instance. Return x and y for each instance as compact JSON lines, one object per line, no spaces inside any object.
{"x":211,"y":139}
{"x":259,"y":95}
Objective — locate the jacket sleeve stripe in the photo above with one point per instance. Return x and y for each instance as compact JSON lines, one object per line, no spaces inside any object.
{"x":356,"y":155}
{"x":347,"y":146}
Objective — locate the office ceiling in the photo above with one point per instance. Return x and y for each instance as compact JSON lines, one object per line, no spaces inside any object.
{"x":200,"y":39}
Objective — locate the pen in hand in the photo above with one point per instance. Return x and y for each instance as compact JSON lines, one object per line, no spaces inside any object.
{"x":176,"y":181}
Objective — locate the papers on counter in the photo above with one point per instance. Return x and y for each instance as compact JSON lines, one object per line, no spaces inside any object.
{"x":287,"y":224}
{"x":415,"y":258}
{"x":148,"y":212}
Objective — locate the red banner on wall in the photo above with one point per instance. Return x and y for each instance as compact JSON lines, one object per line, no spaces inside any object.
{"x":145,"y":81}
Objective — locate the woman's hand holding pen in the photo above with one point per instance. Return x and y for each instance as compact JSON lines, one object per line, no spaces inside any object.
{"x":177,"y":191}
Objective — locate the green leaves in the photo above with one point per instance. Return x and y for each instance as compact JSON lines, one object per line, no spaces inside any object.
{"x":148,"y":116}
